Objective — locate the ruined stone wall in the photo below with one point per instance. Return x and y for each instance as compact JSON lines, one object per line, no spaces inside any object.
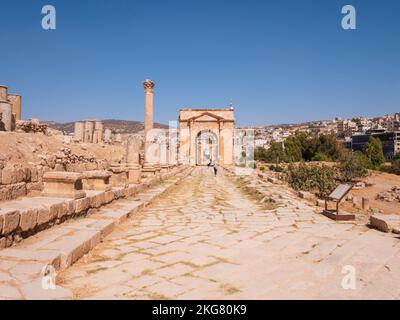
{"x":10,"y":109}
{"x":21,"y":180}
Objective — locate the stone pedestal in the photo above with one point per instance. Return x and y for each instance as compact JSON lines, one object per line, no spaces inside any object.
{"x":119,"y":176}
{"x":63,"y":185}
{"x":134,"y":173}
{"x":132,"y":160}
{"x":365,"y":204}
{"x":96,"y":180}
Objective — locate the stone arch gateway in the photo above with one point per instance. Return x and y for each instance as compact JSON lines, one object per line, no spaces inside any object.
{"x":206,"y":134}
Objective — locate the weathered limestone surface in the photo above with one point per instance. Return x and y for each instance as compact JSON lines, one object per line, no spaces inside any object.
{"x":96,"y":180}
{"x":119,"y":176}
{"x":98,"y":132}
{"x":132,"y":161}
{"x":63,"y":185}
{"x":15,"y":101}
{"x":5,"y":110}
{"x":207,"y":239}
{"x":79,"y":131}
{"x":89,"y":129}
{"x":6,"y":120}
{"x":21,"y":267}
{"x":108,"y":136}
{"x":385,"y":223}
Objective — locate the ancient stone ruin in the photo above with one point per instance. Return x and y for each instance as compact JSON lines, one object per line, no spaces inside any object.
{"x":89,"y":131}
{"x":10,"y":109}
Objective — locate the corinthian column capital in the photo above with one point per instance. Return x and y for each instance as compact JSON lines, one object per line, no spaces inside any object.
{"x":148,"y":85}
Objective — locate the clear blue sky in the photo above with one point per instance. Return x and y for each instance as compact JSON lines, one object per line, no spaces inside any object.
{"x":277,"y":61}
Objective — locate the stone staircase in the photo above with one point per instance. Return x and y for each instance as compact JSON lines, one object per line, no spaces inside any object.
{"x":25,"y":267}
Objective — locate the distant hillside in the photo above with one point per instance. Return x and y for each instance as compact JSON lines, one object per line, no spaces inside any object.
{"x":120,"y":126}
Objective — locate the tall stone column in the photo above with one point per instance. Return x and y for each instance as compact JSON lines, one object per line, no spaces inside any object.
{"x":88,"y":136}
{"x":98,"y":132}
{"x":6,"y":119}
{"x":15,"y":101}
{"x":150,"y":166}
{"x":108,"y":136}
{"x":132,"y":160}
{"x":79,"y":131}
{"x":164,"y":161}
{"x":173,"y":144}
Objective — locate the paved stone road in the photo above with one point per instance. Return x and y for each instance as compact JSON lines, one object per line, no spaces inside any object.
{"x":207,"y":239}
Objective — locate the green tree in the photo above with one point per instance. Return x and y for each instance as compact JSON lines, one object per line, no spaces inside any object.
{"x":319,"y":156}
{"x":395,"y":165}
{"x":374,"y":151}
{"x":353,"y":165}
{"x":292,"y":151}
{"x":311,"y":178}
{"x":330,"y":146}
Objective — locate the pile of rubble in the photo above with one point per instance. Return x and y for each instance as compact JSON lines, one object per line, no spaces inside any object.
{"x":65,"y":160}
{"x":31,"y":125}
{"x":390,"y":196}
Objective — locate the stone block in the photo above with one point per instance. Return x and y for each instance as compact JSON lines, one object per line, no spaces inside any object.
{"x":98,"y":200}
{"x":28,"y":220}
{"x":34,"y":174}
{"x":82,"y":204}
{"x":385,"y":223}
{"x":134,"y":174}
{"x":96,"y":180}
{"x":63,"y":185}
{"x":43,"y":215}
{"x":119,"y":177}
{"x":306,"y":195}
{"x":34,"y":188}
{"x":10,"y":221}
{"x":12,"y":191}
{"x":320,"y":203}
{"x":2,"y":243}
{"x":109,"y":196}
{"x":8,"y":176}
{"x":365,"y":204}
{"x":118,"y":193}
{"x":61,"y":209}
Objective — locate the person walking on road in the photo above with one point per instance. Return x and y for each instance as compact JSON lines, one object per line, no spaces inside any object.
{"x":213,"y":165}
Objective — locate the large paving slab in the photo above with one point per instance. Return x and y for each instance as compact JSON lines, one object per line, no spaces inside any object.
{"x":212,"y":238}
{"x":27,"y":270}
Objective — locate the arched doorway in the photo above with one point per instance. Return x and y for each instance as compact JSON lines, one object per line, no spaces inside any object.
{"x":206,"y":147}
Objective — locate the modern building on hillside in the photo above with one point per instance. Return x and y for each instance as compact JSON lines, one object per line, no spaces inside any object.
{"x":390,"y":141}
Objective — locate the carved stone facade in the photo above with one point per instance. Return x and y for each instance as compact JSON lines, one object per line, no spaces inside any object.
{"x":206,"y":135}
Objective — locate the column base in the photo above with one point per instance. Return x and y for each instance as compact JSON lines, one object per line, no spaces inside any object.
{"x":134,"y":173}
{"x":150,"y":170}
